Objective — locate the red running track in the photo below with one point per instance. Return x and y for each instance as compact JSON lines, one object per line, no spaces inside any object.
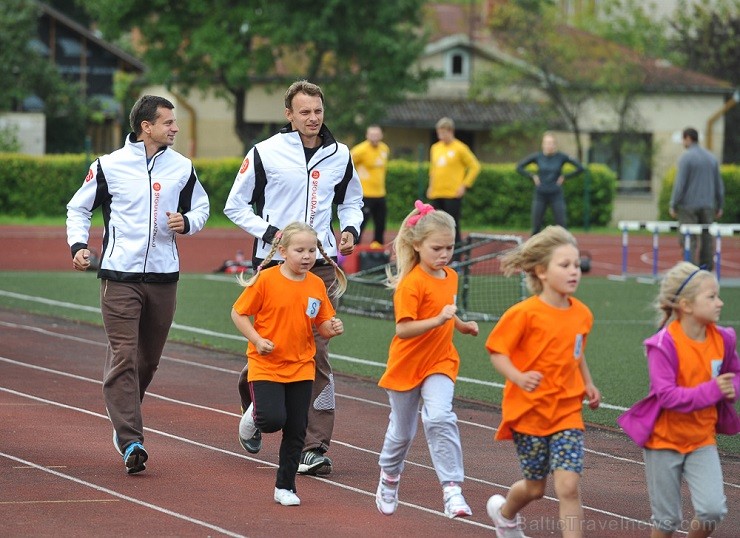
{"x":60,"y":475}
{"x":45,"y":249}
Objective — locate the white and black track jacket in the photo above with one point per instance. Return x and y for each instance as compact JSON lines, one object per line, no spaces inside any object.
{"x":275,"y":186}
{"x":135,"y":197}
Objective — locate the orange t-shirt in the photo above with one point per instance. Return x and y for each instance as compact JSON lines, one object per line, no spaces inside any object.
{"x":411,"y":360}
{"x":685,"y":432}
{"x":284,"y":311}
{"x":552,"y":341}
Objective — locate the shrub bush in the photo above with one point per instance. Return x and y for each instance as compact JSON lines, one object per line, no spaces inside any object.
{"x":503,"y":198}
{"x":730,"y":176}
{"x":31,"y":186}
{"x":42,"y":186}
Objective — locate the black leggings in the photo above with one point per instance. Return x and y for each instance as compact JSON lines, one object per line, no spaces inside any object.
{"x":375,"y":207}
{"x":540,"y":201}
{"x":452,"y":206}
{"x":283,"y":406}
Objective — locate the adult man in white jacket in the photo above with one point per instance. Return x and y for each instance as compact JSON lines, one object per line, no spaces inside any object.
{"x":298,"y":175}
{"x":148,"y":194}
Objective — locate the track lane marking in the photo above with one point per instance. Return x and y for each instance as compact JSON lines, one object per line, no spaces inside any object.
{"x":235,"y":372}
{"x":325,"y":480}
{"x":62,"y":501}
{"x":198,"y":444}
{"x":121,"y":496}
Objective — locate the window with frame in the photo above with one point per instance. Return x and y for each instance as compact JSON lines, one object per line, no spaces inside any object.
{"x":457,"y":64}
{"x":628,"y":154}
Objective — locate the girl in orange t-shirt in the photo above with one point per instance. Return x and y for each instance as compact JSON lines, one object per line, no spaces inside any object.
{"x":538,"y":346}
{"x":285,"y":301}
{"x":422,"y":361}
{"x":691,"y":375}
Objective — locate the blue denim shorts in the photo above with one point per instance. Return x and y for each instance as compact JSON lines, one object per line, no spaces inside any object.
{"x":539,"y":456}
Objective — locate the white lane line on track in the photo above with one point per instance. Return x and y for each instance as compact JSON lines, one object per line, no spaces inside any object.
{"x":335,"y":441}
{"x":231,"y":336}
{"x":236,"y":372}
{"x":199,"y":445}
{"x":237,"y":415}
{"x":333,"y":356}
{"x":99,"y":382}
{"x":341,"y":357}
{"x":269,"y":464}
{"x":123,"y":497}
{"x":94,"y":309}
{"x":63,"y":336}
{"x":229,"y":371}
{"x":65,"y":501}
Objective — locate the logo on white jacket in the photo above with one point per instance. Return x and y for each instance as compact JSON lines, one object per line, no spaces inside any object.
{"x":156,"y":187}
{"x":314,"y":202}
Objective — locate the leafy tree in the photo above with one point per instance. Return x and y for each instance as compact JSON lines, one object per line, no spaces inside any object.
{"x":570,"y":68}
{"x":33,"y":75}
{"x":631,"y":23}
{"x":707,"y":35}
{"x":17,"y":61}
{"x":72,"y":9}
{"x":360,"y":52}
{"x":707,"y":38}
{"x":702,"y":36}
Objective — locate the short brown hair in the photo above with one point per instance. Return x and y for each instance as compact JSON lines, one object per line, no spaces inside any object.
{"x":302,"y":86}
{"x":146,"y":109}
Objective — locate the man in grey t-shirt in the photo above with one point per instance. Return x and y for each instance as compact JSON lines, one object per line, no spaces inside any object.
{"x":698,"y":194}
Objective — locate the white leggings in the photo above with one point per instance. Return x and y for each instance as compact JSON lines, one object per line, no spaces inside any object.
{"x":440,"y":428}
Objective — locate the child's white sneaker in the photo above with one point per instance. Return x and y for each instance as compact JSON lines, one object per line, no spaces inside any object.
{"x":286,"y":497}
{"x":247,"y":427}
{"x":386,"y":497}
{"x":455,"y":505}
{"x":505,"y":528}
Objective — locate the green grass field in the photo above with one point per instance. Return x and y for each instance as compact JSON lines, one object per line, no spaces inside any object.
{"x":622,"y":311}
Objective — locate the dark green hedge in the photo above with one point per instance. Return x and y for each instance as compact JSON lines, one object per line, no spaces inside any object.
{"x":501,"y":197}
{"x":34,"y":186}
{"x":730,"y":176}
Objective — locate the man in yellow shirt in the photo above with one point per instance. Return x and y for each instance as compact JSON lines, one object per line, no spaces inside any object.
{"x":452,"y":171}
{"x":371,"y":161}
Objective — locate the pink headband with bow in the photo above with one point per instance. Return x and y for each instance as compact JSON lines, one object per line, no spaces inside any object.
{"x":423,"y":209}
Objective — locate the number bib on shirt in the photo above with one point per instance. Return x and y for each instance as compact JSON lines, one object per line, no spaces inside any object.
{"x":313,"y":307}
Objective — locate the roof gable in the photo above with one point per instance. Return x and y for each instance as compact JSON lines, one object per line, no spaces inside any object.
{"x":454,"y":25}
{"x":131,"y":62}
{"x":472,"y":115}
